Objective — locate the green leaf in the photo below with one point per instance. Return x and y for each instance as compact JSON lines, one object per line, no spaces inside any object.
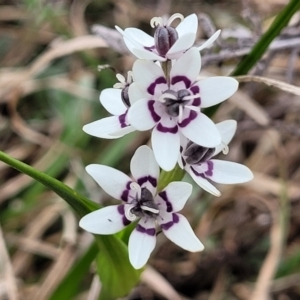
{"x":117,"y":274}
{"x":69,"y":286}
{"x":114,"y":269}
{"x":79,"y":203}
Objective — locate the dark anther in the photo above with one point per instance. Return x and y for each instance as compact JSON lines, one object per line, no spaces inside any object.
{"x":164,"y":38}
{"x":172,"y":105}
{"x":196,"y":154}
{"x":125,"y":96}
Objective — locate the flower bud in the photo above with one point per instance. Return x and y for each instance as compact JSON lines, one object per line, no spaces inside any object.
{"x":164,"y":38}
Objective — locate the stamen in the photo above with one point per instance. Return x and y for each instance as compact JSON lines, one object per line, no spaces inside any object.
{"x":225,"y":149}
{"x":151,"y":209}
{"x":137,"y":188}
{"x":128,"y":214}
{"x":156,"y":21}
{"x":180,"y":114}
{"x":129,"y":77}
{"x":121,"y":78}
{"x":162,"y":98}
{"x":118,"y":85}
{"x":174,"y":17}
{"x":190,"y":97}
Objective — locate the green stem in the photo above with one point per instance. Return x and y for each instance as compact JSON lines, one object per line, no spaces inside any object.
{"x":79,"y":203}
{"x":166,"y":177}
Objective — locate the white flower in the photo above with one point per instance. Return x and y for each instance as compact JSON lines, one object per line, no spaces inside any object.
{"x":174,"y":107}
{"x":141,"y":202}
{"x":196,"y":160}
{"x":116,"y":101}
{"x":168,"y":42}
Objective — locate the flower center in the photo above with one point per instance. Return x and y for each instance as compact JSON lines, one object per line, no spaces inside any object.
{"x":174,"y":102}
{"x":142,"y":205}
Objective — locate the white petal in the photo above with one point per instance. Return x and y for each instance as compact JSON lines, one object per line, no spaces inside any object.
{"x":107,"y":128}
{"x":214,"y":90}
{"x":176,"y":193}
{"x":210,"y":40}
{"x":136,"y":46}
{"x":150,"y":77}
{"x":112,"y":101}
{"x":136,"y":93}
{"x":141,"y":243}
{"x":112,"y":181}
{"x":228,"y":172}
{"x":166,"y":146}
{"x":189,"y":24}
{"x":144,"y":114}
{"x":144,"y":168}
{"x":122,"y":131}
{"x":138,"y":37}
{"x":227,"y":130}
{"x":107,"y":220}
{"x":202,"y":131}
{"x":183,"y":43}
{"x":145,"y":54}
{"x":204,"y":184}
{"x":182,"y":235}
{"x":187,"y":66}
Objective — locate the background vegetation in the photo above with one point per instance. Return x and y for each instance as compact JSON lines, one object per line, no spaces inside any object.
{"x":49,"y":88}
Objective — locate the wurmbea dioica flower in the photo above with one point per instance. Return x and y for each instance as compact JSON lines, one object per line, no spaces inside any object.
{"x":116,"y":100}
{"x":172,"y":105}
{"x":168,"y":42}
{"x":140,"y":202}
{"x":197,"y":161}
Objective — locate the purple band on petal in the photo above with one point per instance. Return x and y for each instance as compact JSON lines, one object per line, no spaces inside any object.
{"x":148,"y":178}
{"x":195,"y":90}
{"x":122,"y":120}
{"x":208,"y":173}
{"x":121,"y":210}
{"x":192,"y":116}
{"x":149,"y":231}
{"x":210,"y":165}
{"x":168,"y":225}
{"x":197,"y":173}
{"x":150,"y":48}
{"x":165,"y":129}
{"x":152,"y":86}
{"x":164,"y":196}
{"x":125,"y":193}
{"x":179,"y":78}
{"x":154,"y":115}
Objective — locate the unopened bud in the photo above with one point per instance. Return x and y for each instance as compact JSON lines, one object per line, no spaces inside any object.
{"x":164,"y":38}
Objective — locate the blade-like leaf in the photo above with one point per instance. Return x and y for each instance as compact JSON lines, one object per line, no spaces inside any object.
{"x":116,"y":273}
{"x":79,"y":203}
{"x":114,"y":269}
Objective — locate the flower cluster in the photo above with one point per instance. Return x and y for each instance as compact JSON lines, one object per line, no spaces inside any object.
{"x":162,"y":94}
